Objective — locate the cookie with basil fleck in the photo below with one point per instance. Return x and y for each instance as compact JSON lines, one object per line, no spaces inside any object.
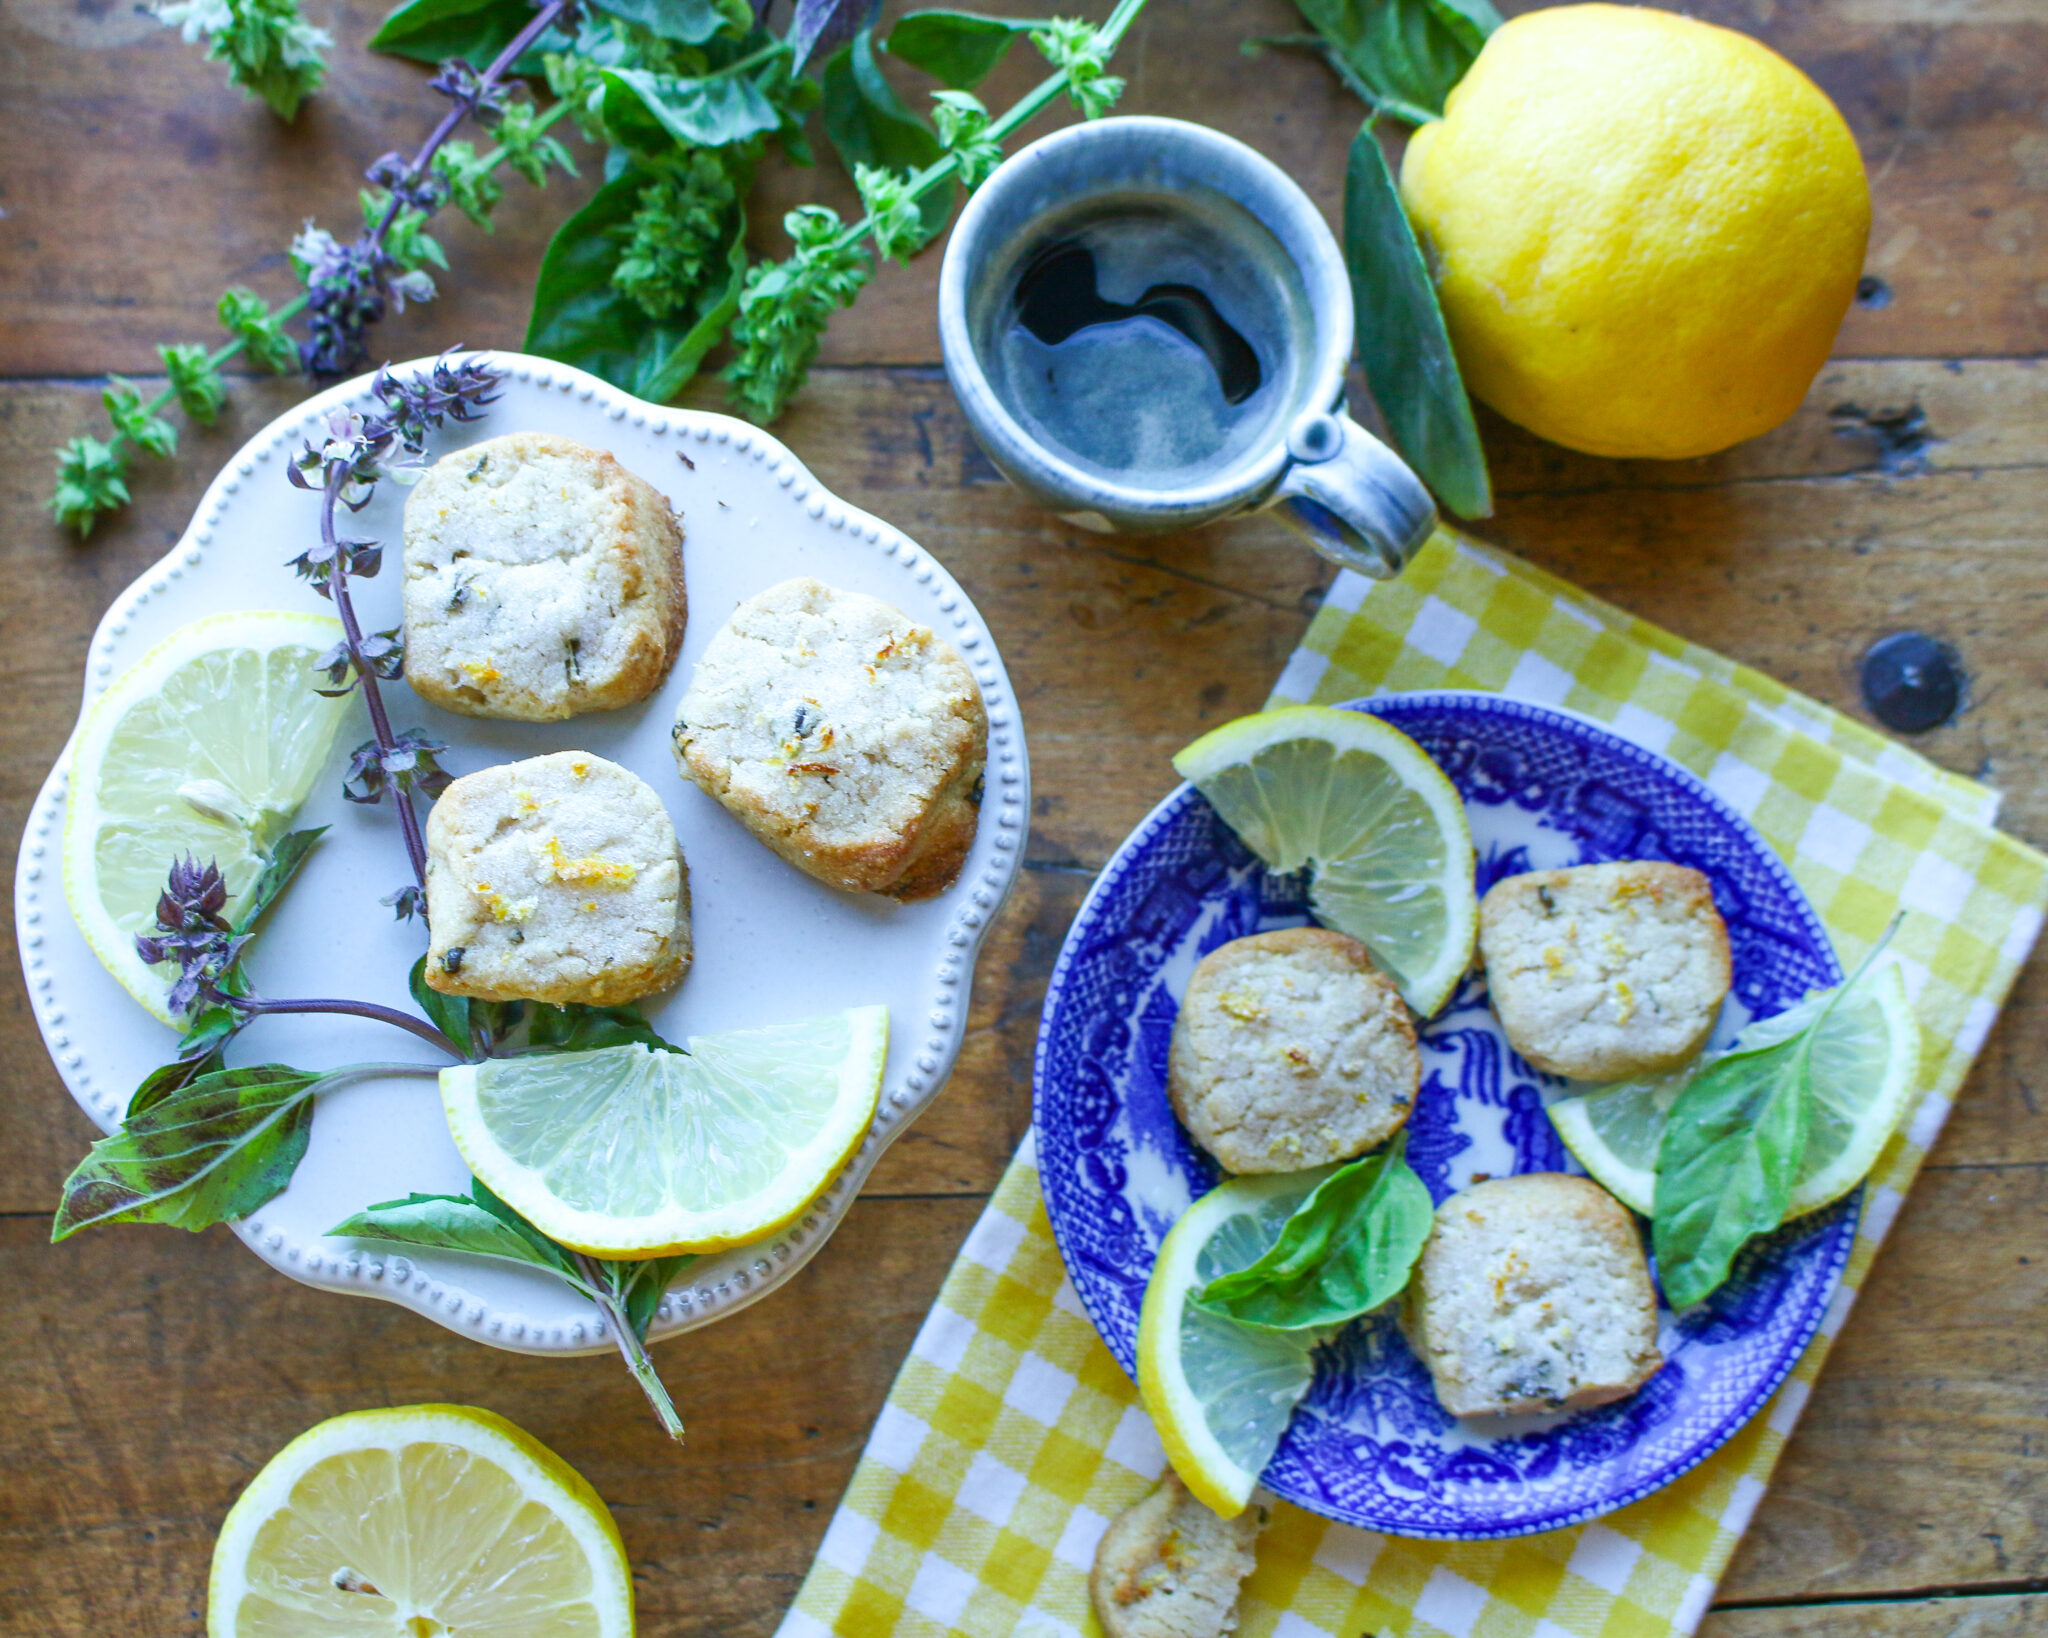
{"x":542,"y":580}
{"x":1605,"y":970}
{"x":845,"y":736}
{"x":555,"y":879}
{"x":1533,"y":1294}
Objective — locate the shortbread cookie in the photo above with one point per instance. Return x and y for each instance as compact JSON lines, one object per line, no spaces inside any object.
{"x":1291,"y":1050}
{"x":845,"y":737}
{"x":1168,"y":1567}
{"x":1605,"y":970}
{"x":555,"y":879}
{"x":542,"y":579}
{"x":1533,"y":1294}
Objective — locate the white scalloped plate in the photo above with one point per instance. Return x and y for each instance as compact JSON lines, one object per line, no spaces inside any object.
{"x":771,"y":943}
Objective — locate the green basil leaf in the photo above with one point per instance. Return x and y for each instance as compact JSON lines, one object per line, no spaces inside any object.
{"x":580,"y":318}
{"x":640,"y":1286}
{"x":1402,"y":342}
{"x":652,"y":112}
{"x":447,"y":1013}
{"x":627,"y":1292}
{"x":199,"y":1053}
{"x":1469,"y":21}
{"x":492,"y":1022}
{"x":577,"y":1028}
{"x":1734,"y":1142}
{"x":1725,"y":1168}
{"x":448,"y":1222}
{"x":215,"y":1149}
{"x":481,"y":1194}
{"x":287,"y":853}
{"x":691,"y":21}
{"x":869,"y":125}
{"x":1403,"y":56}
{"x":1346,"y":1249}
{"x":958,"y":48}
{"x":428,"y":31}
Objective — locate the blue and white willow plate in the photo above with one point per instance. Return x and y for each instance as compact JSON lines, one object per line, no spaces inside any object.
{"x":1370,"y":1445}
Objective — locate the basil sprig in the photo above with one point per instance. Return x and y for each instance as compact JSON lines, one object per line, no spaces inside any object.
{"x":482,"y":1225}
{"x":627,"y":1291}
{"x":1401,"y":56}
{"x":218,"y":1148}
{"x":1345,"y":1250}
{"x":1731,"y":1153}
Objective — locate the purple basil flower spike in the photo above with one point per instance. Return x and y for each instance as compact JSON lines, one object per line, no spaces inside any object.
{"x":192,"y":932}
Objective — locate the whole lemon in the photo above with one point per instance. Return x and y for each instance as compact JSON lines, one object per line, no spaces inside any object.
{"x":1644,"y":229}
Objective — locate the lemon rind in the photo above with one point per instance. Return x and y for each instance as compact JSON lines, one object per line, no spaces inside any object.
{"x":537,"y":1469}
{"x":1902,"y":1080}
{"x":1635,"y":1186}
{"x":1240,"y":741}
{"x":117,"y":953}
{"x":680,"y":1232}
{"x":1221,"y":1483}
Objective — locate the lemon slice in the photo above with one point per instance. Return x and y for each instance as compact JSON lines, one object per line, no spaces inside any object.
{"x":206,"y":745}
{"x":420,"y":1519}
{"x":1377,"y":823}
{"x":631,"y":1152}
{"x":1865,"y":1065}
{"x":1220,"y":1393}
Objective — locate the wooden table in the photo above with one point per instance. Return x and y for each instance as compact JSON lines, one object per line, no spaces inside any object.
{"x":144,"y":1374}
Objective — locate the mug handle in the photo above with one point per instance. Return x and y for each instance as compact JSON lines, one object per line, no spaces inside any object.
{"x":1352,"y":498}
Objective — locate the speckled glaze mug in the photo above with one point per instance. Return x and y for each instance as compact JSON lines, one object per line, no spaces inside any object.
{"x":1352,"y":498}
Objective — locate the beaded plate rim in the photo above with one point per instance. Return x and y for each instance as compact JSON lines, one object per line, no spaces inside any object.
{"x":433,"y":1283}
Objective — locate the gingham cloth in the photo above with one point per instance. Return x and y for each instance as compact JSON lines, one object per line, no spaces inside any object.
{"x":1011,"y":1438}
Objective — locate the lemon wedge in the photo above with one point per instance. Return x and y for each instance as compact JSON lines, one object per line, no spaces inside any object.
{"x":206,"y":746}
{"x":1221,"y":1393}
{"x":1380,"y":828}
{"x":1865,"y":1065}
{"x":418,"y":1520}
{"x":634,"y":1152}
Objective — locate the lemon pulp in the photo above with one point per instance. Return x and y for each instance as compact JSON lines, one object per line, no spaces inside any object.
{"x":633,"y":1152}
{"x":415,"y":1522}
{"x":1220,"y":1393}
{"x":206,"y":746}
{"x":1375,"y":821}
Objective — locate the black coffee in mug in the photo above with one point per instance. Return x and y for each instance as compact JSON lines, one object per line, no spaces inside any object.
{"x":1147,"y":326}
{"x":1147,"y":337}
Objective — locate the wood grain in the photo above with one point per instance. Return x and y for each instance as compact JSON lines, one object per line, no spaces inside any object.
{"x":139,"y":184}
{"x":147,"y":1373}
{"x":1920,"y":1462}
{"x":1993,"y":1615}
{"x":156,"y":1372}
{"x":150,"y":1374}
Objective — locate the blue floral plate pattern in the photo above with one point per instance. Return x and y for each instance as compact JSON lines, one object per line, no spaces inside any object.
{"x":1370,"y":1445}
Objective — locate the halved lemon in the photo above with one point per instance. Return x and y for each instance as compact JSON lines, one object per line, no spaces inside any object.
{"x":1380,"y":828}
{"x":420,"y":1519}
{"x":633,"y":1152}
{"x":206,"y":746}
{"x":1221,"y":1393}
{"x":1865,"y":1066}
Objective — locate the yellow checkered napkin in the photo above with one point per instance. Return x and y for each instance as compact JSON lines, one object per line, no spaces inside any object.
{"x":1012,"y":1438}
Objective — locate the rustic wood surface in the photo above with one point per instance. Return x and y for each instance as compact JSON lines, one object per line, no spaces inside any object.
{"x":144,"y":1374}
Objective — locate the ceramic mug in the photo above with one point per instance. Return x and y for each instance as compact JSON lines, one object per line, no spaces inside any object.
{"x":1353,"y":499}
